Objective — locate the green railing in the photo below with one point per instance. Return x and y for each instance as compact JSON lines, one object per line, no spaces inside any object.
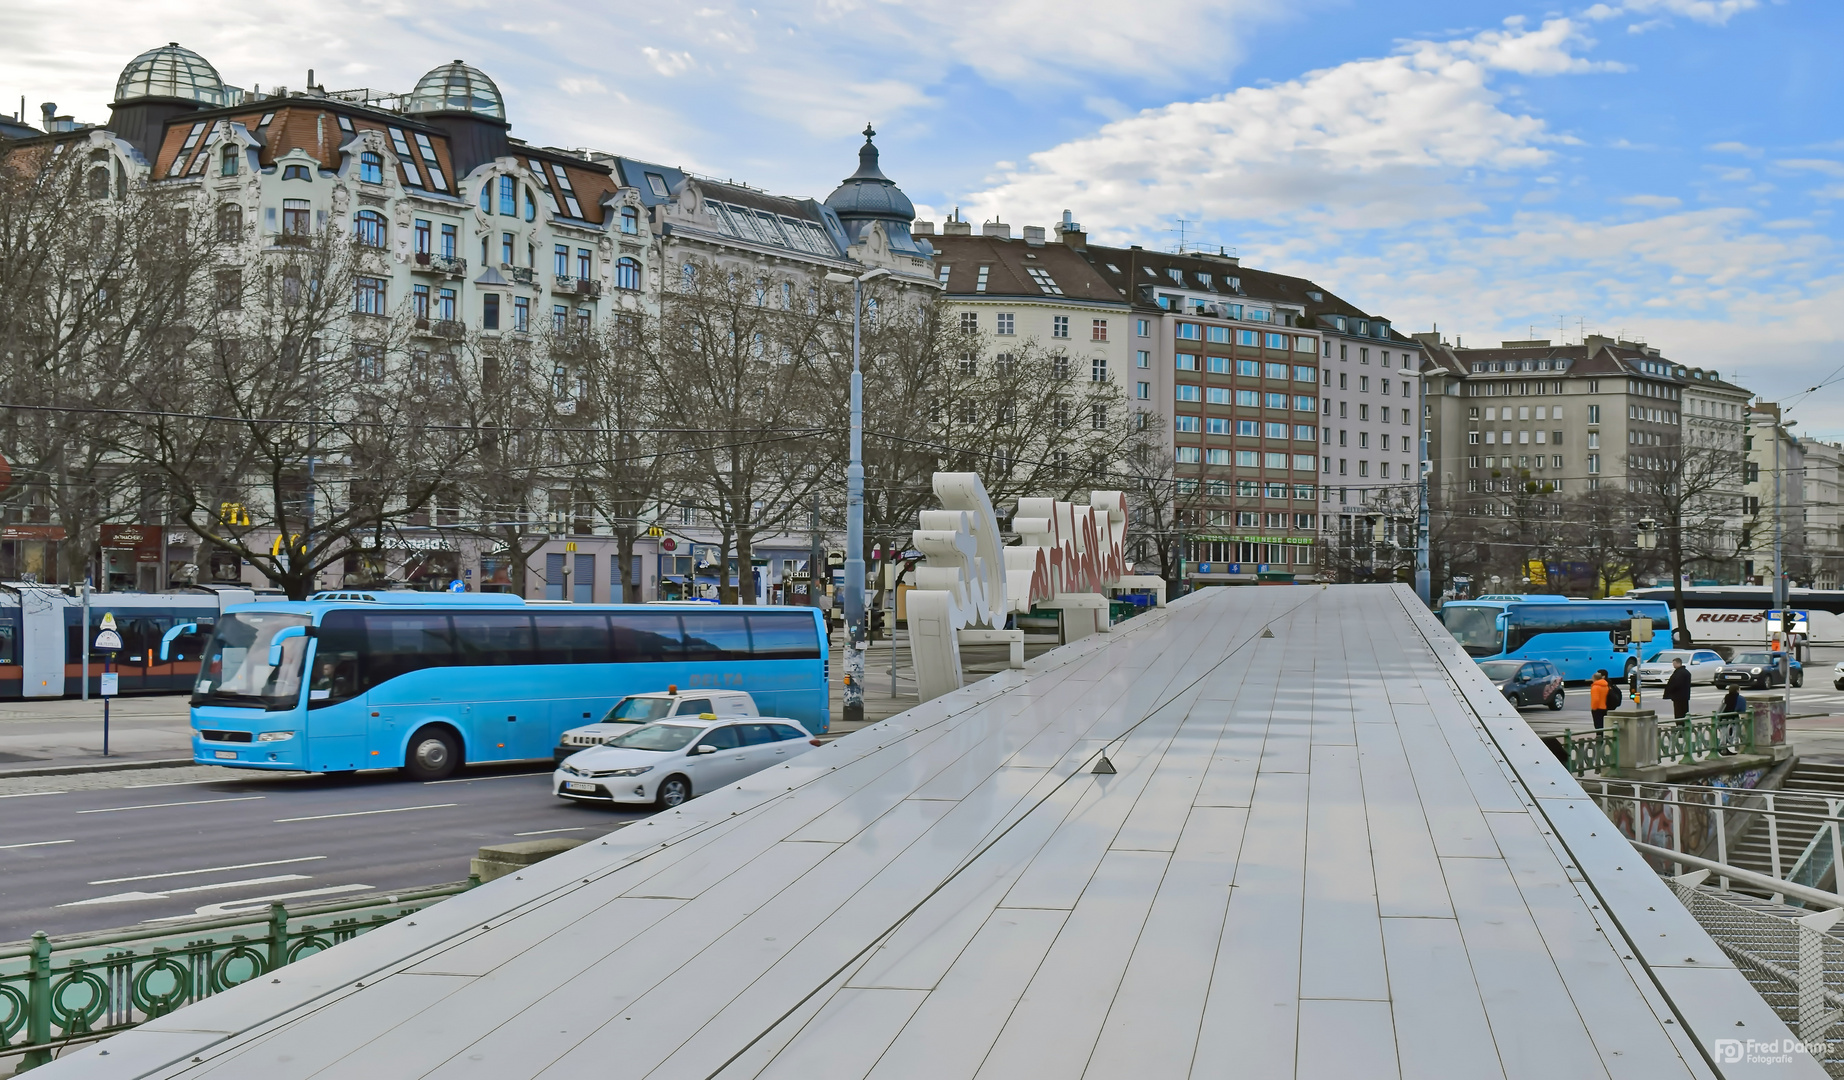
{"x":54,"y":993}
{"x":1591,"y":752}
{"x":1699,"y":738}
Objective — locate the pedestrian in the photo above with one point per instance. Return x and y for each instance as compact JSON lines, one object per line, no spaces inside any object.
{"x":1677,"y":688}
{"x":1598,"y":692}
{"x":1733,"y":701}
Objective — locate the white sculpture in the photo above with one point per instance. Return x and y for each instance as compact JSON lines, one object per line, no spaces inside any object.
{"x":1070,"y":556}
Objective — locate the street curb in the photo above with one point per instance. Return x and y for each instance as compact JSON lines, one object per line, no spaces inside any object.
{"x":101,"y":766}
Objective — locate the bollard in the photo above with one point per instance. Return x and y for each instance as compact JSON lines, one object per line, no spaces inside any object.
{"x":38,"y":1005}
{"x":278,"y":935}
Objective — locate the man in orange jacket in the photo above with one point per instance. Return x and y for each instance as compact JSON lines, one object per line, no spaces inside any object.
{"x":1598,"y":693}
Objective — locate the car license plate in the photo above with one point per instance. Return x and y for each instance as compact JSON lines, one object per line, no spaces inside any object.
{"x":572,"y":785}
{"x":226,"y":755}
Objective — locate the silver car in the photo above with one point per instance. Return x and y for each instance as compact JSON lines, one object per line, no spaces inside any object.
{"x":1703,"y":664}
{"x":668,"y":762}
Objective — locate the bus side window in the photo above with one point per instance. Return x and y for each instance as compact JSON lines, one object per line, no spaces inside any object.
{"x":404,"y":643}
{"x":9,"y":651}
{"x":715,"y":636}
{"x":572,"y":639}
{"x":784,"y":637}
{"x":646,"y":636}
{"x":494,"y":638}
{"x":338,"y":653}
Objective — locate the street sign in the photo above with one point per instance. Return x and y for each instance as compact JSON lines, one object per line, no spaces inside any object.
{"x":1800,"y":623}
{"x":1642,"y":629}
{"x":111,"y":681}
{"x":1203,"y":568}
{"x":669,"y":544}
{"x":457,"y":585}
{"x":108,"y":639}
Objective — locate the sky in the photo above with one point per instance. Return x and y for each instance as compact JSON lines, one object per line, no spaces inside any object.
{"x":1662,"y":170}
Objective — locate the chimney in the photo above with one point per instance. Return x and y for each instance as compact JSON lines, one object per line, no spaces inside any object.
{"x":1596,"y":341}
{"x":957,"y":228}
{"x":1070,"y":232}
{"x":1034,"y":235}
{"x":922,"y":228}
{"x":996,"y":228}
{"x":50,"y":111}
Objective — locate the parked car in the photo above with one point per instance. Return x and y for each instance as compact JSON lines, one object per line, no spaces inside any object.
{"x":667,"y":762}
{"x":1703,"y":664}
{"x":1757,"y":670}
{"x":1526,"y":682}
{"x":645,"y":709}
{"x":1837,"y":676}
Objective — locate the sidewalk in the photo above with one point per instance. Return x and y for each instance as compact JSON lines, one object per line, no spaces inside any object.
{"x":66,"y":734}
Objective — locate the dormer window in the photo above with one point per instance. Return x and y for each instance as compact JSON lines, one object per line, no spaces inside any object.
{"x":345,"y":124}
{"x":296,"y":172}
{"x":371,"y":167}
{"x":1315,"y":297}
{"x":227,"y":161}
{"x":1177,"y":276}
{"x":630,"y":220}
{"x":657,"y":185}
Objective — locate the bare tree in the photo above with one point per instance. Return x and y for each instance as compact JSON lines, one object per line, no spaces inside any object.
{"x":625,"y":433}
{"x":1690,"y":493}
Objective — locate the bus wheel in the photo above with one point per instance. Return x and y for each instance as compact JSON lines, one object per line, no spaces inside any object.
{"x":432,"y":754}
{"x":673,"y":791}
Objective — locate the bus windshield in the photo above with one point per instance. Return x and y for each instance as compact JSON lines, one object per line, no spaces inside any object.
{"x":1475,"y":628}
{"x":638,"y":710}
{"x":236,"y":668}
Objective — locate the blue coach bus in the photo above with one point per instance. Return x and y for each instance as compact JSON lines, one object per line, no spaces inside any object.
{"x":1575,"y":635}
{"x":427,"y":681}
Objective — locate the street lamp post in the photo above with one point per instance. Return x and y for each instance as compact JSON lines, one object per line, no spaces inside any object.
{"x":855,"y":638}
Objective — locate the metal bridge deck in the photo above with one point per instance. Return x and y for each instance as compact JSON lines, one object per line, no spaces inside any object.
{"x":1334,"y":852}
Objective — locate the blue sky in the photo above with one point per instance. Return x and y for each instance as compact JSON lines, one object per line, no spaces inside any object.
{"x":1667,"y":168}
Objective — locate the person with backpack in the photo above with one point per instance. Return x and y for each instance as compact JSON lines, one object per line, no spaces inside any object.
{"x":1599,"y":691}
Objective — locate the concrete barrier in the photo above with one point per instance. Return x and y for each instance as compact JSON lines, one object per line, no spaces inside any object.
{"x":501,"y":859}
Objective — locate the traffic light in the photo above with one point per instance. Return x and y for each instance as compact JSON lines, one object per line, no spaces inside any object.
{"x":1786,"y":621}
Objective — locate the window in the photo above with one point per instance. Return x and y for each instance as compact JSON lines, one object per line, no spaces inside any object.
{"x":1304,"y":374}
{"x":421,"y":231}
{"x":489,"y":311}
{"x":1217,"y":457}
{"x":445,"y":304}
{"x":419,"y":301}
{"x":1275,"y":401}
{"x":368,"y":228}
{"x":1186,"y":392}
{"x":1187,"y":362}
{"x":1142,"y":391}
{"x":1248,"y":399}
{"x":627,"y":274}
{"x":1248,"y":427}
{"x":230,"y":221}
{"x":1142,"y":328}
{"x":508,"y":197}
{"x":1305,"y":431}
{"x":1248,"y":459}
{"x":1594,"y":414}
{"x":1217,"y":395}
{"x":630,"y":220}
{"x":1363,"y":468}
{"x":295,"y":217}
{"x":295,"y":172}
{"x":969,"y":322}
{"x":505,"y":249}
{"x":531,"y":206}
{"x":1043,"y":280}
{"x":1363,"y":440}
{"x":1363,"y":412}
{"x":1276,"y":431}
{"x":521,"y":314}
{"x":1276,"y":371}
{"x":1304,"y":462}
{"x":1189,"y":455}
{"x":1386,"y":390}
{"x":560,"y":317}
{"x":1098,"y":369}
{"x":371,"y":167}
{"x":1277,"y":341}
{"x":1098,"y":330}
{"x":370,"y":360}
{"x":449,"y":241}
{"x":1216,"y":425}
{"x":1248,"y":369}
{"x":585,"y":267}
{"x":1059,"y":326}
{"x":980,"y":285}
{"x":368,"y":296}
{"x":1007,"y":324}
{"x":1188,"y":332}
{"x":1185,"y":423}
{"x":1248,"y":338}
{"x":1142,"y":358}
{"x":227,"y":161}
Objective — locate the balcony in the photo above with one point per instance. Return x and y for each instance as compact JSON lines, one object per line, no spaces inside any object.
{"x":520,"y":275}
{"x":428,"y":262}
{"x":565,"y":286}
{"x":448,"y":329}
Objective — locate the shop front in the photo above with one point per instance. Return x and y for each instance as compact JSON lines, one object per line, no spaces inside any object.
{"x":30,"y":552}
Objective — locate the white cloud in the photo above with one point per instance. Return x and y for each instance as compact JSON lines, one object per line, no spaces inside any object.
{"x":666,"y":61}
{"x":1368,"y":143}
{"x":1655,"y":202}
{"x":590,"y":85}
{"x":1817,"y":165}
{"x":1741,"y":148}
{"x":1709,"y":12}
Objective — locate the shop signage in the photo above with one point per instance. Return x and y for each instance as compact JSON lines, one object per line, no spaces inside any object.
{"x":408,"y":543}
{"x":31,"y":532}
{"x":143,"y":540}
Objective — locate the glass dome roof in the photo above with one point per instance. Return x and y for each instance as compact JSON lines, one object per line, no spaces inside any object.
{"x":170,"y":71}
{"x":456,"y":87}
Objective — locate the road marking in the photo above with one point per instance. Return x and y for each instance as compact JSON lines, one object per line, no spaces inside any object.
{"x":540,"y":832}
{"x":36,"y":843}
{"x":29,"y":794}
{"x":126,"y":897}
{"x":365,"y":813}
{"x":206,"y":870}
{"x":158,"y":805}
{"x":257,"y":903}
{"x":471,"y":779}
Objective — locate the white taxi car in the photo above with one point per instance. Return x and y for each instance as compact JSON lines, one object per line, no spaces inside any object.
{"x":645,"y":708}
{"x":1703,"y":665}
{"x":667,"y":762}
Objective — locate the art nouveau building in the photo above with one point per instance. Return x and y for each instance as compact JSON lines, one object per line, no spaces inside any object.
{"x":472,"y":230}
